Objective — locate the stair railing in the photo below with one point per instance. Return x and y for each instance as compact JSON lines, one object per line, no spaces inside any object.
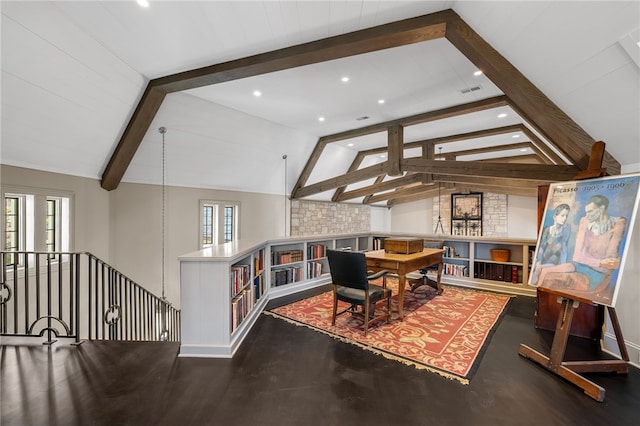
{"x":79,"y":296}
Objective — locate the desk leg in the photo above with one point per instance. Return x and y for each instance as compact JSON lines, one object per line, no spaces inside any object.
{"x":402,"y":280}
{"x":438,"y":285}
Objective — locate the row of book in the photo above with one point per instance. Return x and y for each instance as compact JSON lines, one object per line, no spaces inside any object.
{"x":314,"y":269}
{"x":455,"y":270}
{"x":449,"y":251}
{"x":286,"y":256}
{"x":283,"y":276}
{"x":316,"y":251}
{"x":258,"y":262}
{"x":497,"y":272}
{"x":239,"y":278}
{"x":241,"y":305}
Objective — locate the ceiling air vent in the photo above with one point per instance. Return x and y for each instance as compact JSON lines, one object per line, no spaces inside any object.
{"x":364,"y":117}
{"x":470,"y":89}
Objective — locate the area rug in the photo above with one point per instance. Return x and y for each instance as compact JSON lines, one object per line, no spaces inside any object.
{"x":445,"y":334}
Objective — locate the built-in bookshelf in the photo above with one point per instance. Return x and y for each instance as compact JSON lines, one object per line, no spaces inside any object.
{"x":224,"y":288}
{"x":467,"y":262}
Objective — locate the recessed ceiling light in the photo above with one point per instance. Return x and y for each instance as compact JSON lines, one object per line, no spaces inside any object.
{"x":638,"y":43}
{"x":350,"y":144}
{"x":477,"y":73}
{"x":257,"y":93}
{"x":320,"y":118}
{"x":524,"y":150}
{"x":380,"y":101}
{"x":503,"y":115}
{"x":515,"y":136}
{"x":383,"y":155}
{"x":143,"y":3}
{"x":345,"y":79}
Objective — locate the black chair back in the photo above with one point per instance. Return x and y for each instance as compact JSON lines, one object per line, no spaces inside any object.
{"x":348,"y":269}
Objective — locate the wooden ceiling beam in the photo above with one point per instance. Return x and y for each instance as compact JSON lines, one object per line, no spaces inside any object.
{"x":425,"y":117}
{"x":386,"y":36}
{"x":380,"y":187}
{"x":555,"y":125}
{"x":542,"y":172}
{"x":346,"y":179}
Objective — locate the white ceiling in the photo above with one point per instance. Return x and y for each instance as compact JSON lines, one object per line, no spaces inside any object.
{"x":72,"y":73}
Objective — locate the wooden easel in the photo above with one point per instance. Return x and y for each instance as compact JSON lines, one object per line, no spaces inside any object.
{"x":554,"y":362}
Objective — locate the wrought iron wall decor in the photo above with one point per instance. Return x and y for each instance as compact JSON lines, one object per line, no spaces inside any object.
{"x":466,"y":214}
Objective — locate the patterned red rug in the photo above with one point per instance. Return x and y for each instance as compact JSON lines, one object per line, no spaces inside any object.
{"x":445,"y":334}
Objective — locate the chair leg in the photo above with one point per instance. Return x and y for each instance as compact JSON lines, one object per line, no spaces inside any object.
{"x":366,"y":316}
{"x":335,"y":309}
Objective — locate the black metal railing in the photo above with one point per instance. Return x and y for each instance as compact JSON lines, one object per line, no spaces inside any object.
{"x":77,"y":295}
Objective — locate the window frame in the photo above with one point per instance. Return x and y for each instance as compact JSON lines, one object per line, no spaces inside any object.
{"x":218,"y":228}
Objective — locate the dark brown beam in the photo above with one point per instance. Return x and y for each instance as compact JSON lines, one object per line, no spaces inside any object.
{"x":555,"y":125}
{"x":424,"y":117}
{"x":395,"y":34}
{"x":346,"y":179}
{"x":132,"y":137}
{"x":381,"y":186}
{"x":395,"y":142}
{"x":541,"y":172}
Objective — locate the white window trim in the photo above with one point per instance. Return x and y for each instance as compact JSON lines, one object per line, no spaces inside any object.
{"x":217,"y":220}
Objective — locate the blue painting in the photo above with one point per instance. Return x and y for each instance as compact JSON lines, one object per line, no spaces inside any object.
{"x":583,"y":237}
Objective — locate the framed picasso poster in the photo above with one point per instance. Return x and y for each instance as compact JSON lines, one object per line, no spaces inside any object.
{"x":583,"y":237}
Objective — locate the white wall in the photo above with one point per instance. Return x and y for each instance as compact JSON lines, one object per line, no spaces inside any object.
{"x":380,"y":219}
{"x":417,"y":217}
{"x":136,"y":223}
{"x":523,"y":217}
{"x":414,"y":217}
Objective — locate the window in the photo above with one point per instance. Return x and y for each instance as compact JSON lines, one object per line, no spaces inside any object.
{"x":207,"y":226}
{"x":35,"y":222}
{"x":228,"y":223}
{"x":12,"y":224}
{"x":218,"y":222}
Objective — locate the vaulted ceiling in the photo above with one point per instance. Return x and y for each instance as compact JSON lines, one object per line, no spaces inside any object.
{"x":115,"y":73}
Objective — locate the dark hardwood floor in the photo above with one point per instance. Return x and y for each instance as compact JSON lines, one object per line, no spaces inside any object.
{"x":289,"y":375}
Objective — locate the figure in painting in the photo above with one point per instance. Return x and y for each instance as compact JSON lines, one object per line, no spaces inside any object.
{"x":554,"y":242}
{"x":596,"y":254}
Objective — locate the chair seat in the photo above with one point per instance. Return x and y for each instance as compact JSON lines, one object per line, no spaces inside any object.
{"x":357,"y":296}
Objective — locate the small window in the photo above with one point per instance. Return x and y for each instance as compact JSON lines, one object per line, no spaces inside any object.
{"x":218,"y":222}
{"x":207,"y":225}
{"x":52,"y":225}
{"x":12,"y":223}
{"x":229,"y":223}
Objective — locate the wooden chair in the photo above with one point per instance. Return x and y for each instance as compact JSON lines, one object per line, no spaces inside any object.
{"x":351,"y":284}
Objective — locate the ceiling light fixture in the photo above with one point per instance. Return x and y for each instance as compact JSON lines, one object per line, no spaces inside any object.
{"x":381,"y":101}
{"x":345,"y":79}
{"x":477,"y":73}
{"x":320,"y":118}
{"x":257,"y":93}
{"x":143,"y":3}
{"x":503,"y":115}
{"x":350,"y":144}
{"x":515,"y":136}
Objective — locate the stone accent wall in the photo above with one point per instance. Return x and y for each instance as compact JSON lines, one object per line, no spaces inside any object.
{"x":494,"y":215}
{"x":324,"y":218}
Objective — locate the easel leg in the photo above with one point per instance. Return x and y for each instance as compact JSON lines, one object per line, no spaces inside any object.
{"x":554,"y":362}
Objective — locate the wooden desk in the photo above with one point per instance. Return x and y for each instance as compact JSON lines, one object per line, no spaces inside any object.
{"x":402,"y":264}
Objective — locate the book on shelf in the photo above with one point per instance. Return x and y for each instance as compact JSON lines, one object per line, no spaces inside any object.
{"x":258,"y":262}
{"x":283,"y":276}
{"x":316,"y":251}
{"x":240,"y":276}
{"x":286,"y":256}
{"x":314,"y":269}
